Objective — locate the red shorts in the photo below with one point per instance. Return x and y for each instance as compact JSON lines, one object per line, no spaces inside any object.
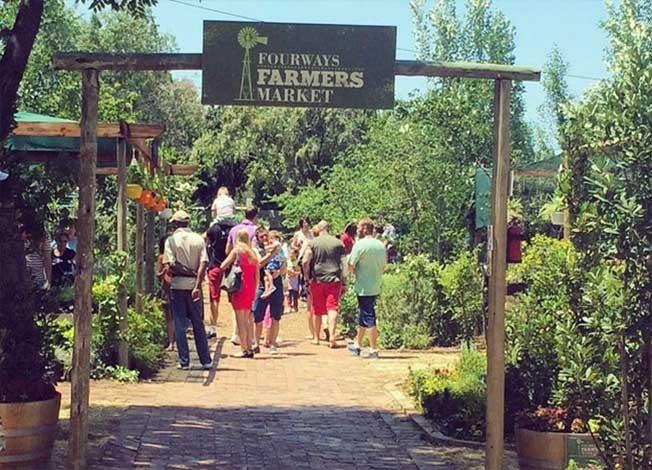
{"x":214,"y":276}
{"x":325,"y":297}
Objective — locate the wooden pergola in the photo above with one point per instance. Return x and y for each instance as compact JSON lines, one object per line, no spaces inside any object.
{"x":90,"y":65}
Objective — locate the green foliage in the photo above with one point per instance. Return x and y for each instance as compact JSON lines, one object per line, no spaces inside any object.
{"x":423,"y":303}
{"x":532,"y":324}
{"x":264,"y":152}
{"x":146,"y":337}
{"x":462,"y":285}
{"x":121,"y":374}
{"x":454,"y":398}
{"x":145,"y":331}
{"x":608,"y":139}
{"x":439,"y":136}
{"x":26,"y":360}
{"x":390,"y":177}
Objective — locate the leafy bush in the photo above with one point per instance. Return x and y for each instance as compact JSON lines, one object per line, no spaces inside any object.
{"x":532,"y":324}
{"x":454,"y":398}
{"x":423,"y":303}
{"x":145,"y":336}
{"x":348,"y":313}
{"x":462,"y":285}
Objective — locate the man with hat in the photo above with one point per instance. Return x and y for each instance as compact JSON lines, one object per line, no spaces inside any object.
{"x":185,"y":254}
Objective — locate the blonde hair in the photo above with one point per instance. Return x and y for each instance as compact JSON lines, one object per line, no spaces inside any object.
{"x":276,"y":235}
{"x":223,"y":191}
{"x":243,"y":244}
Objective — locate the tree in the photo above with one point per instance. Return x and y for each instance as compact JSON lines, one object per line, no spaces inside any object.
{"x":265,"y":152}
{"x":608,"y":138}
{"x":413,"y":168}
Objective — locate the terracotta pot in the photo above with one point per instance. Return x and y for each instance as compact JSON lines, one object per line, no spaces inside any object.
{"x":27,"y":432}
{"x":134,"y":191}
{"x":553,"y":450}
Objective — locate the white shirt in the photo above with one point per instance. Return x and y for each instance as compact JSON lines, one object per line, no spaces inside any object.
{"x":188,"y":248}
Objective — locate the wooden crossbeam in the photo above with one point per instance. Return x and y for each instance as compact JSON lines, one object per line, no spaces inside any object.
{"x":182,"y":170}
{"x":72,"y":129}
{"x":466,"y":70}
{"x":101,"y":61}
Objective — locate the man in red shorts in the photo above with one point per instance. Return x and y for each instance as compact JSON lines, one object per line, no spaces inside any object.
{"x":216,"y":241}
{"x":323,"y":271}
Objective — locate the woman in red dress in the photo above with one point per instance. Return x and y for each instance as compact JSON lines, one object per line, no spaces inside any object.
{"x":243,"y":299}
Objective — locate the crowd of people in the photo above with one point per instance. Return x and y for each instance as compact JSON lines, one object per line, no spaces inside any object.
{"x":265,"y":276}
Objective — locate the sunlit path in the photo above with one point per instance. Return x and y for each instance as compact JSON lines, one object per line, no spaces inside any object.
{"x":307,"y":407}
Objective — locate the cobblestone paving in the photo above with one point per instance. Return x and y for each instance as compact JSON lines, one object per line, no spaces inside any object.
{"x":308,"y":407}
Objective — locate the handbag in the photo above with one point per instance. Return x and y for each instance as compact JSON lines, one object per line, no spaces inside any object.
{"x":232,"y":282}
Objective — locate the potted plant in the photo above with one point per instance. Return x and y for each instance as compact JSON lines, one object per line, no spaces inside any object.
{"x":552,"y":437}
{"x":29,"y":401}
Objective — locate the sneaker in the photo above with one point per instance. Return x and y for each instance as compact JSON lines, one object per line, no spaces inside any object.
{"x":211,"y":334}
{"x":273,"y":350}
{"x":182,"y":367}
{"x":353,"y":349}
{"x":373,"y":355}
{"x":208,"y":366}
{"x":235,"y":341}
{"x":256,"y":350}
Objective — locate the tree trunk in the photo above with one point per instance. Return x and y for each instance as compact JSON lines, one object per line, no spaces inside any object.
{"x":18,"y":46}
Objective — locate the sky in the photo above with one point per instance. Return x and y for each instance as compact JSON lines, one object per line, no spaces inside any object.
{"x":573,"y":25}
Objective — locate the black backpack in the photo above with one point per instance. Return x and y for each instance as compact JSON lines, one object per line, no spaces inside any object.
{"x":218,"y":235}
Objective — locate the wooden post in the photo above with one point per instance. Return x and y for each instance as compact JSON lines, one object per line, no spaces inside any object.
{"x":140,"y":223}
{"x":150,"y":252}
{"x":84,"y":280}
{"x":497,"y":283}
{"x":121,"y":157}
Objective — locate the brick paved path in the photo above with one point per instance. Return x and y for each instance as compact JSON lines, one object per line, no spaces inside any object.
{"x":308,"y":407}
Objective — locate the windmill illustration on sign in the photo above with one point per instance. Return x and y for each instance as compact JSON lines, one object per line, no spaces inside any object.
{"x":248,"y":38}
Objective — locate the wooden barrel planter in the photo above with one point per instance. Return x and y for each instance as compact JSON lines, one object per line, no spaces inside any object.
{"x":553,"y":450}
{"x":27,"y":433}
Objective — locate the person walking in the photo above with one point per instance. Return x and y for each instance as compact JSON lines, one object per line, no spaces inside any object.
{"x":367,"y":261}
{"x":63,"y":264}
{"x":300,"y":241}
{"x":271,"y":264}
{"x":293,"y":272}
{"x":217,"y":238}
{"x":243,"y":299}
{"x":322,"y":268}
{"x":348,"y":237}
{"x":249,"y":225}
{"x":185,"y":255}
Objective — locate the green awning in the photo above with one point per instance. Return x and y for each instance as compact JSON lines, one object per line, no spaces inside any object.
{"x":51,"y":146}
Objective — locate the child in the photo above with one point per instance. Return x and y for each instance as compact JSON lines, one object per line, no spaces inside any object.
{"x":273,"y":267}
{"x":223,"y":206}
{"x":163,"y":273}
{"x":294,"y":270}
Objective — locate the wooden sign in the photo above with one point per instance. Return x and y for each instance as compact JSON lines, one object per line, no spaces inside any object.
{"x":298,"y":65}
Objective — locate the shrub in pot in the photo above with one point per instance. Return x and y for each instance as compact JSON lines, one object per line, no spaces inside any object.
{"x":553,"y":437}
